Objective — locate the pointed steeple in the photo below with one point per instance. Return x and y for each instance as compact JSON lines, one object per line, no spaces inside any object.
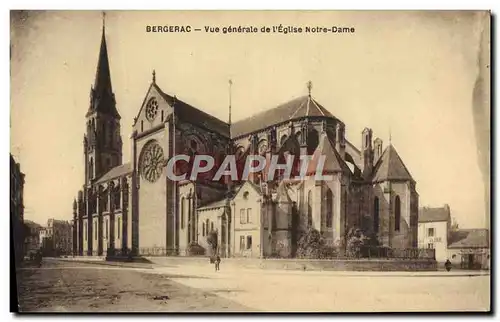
{"x":390,"y":166}
{"x":103,"y":98}
{"x":103,"y":76}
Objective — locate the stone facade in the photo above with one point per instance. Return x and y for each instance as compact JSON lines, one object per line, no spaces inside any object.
{"x":57,"y":237}
{"x":135,"y":207}
{"x":17,"y":208}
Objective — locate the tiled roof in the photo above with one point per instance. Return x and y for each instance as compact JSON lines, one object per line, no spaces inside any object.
{"x":427,"y":214}
{"x":32,"y":224}
{"x":294,"y":109}
{"x":195,"y":116}
{"x":216,"y":204}
{"x":391,"y":167}
{"x":116,"y":172}
{"x":469,"y":238}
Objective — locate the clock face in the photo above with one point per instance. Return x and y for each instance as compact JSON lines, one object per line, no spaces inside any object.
{"x":152,"y":109}
{"x":151,"y":163}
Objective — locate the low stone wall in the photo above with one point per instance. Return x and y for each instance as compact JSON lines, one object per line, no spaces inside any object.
{"x":305,"y":264}
{"x":351,"y":265}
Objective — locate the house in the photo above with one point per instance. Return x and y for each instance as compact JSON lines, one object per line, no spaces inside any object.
{"x":469,"y":249}
{"x":433,"y":227}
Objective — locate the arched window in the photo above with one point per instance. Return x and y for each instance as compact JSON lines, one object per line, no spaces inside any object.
{"x":91,"y":168}
{"x":312,"y":141}
{"x":329,"y":208}
{"x":203,"y":230}
{"x":207,"y":226}
{"x":309,"y":208}
{"x":375,"y":214}
{"x":397,"y":212}
{"x":182,"y":214}
{"x":283,"y":140}
{"x":117,"y":197}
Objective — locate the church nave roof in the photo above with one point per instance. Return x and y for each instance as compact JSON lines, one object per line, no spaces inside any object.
{"x":294,"y":109}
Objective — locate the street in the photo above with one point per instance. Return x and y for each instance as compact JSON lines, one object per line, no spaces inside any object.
{"x":77,"y":287}
{"x":72,"y":286}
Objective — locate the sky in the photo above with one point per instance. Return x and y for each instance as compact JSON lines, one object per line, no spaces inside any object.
{"x":407,"y":75}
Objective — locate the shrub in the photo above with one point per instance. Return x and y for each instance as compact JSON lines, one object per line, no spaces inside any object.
{"x":313,"y":245}
{"x":358,"y":242}
{"x":194,"y":249}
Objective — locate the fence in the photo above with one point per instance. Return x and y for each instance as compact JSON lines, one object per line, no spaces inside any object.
{"x":397,"y":253}
{"x":371,"y":252}
{"x":157,"y":251}
{"x":364,"y":252}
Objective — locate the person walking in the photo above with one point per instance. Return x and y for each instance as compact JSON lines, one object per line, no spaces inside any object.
{"x":447,"y":265}
{"x":217,"y":262}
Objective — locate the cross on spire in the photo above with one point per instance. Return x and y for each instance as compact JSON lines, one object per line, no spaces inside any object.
{"x":103,"y":19}
{"x":154,"y":76}
{"x":309,"y":87}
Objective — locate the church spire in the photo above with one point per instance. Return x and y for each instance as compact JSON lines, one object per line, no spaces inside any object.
{"x":103,"y":98}
{"x":102,"y":77}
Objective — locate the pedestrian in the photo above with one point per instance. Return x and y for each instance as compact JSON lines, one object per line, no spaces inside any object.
{"x":447,"y":265}
{"x":217,"y":263}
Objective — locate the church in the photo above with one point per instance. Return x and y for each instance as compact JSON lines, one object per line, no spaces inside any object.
{"x":135,"y":208}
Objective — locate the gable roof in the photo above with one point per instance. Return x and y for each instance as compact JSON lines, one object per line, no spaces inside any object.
{"x":189,"y":113}
{"x":333,"y":162}
{"x":250,"y":183}
{"x":469,"y":238}
{"x":195,"y":116}
{"x":215,"y":204}
{"x":116,"y":172}
{"x":294,"y":109}
{"x":391,"y":167}
{"x":427,"y":214}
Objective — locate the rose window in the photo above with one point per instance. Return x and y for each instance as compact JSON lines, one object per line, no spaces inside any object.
{"x":151,"y":163}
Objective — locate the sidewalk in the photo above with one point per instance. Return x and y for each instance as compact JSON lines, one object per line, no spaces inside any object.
{"x":102,"y":261}
{"x":207,"y":269}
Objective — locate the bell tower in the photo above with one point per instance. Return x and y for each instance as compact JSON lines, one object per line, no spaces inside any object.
{"x":102,"y":140}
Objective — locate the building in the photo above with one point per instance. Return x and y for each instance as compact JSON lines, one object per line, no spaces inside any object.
{"x":57,"y":237}
{"x":470,"y":248}
{"x":433,"y":229}
{"x":17,"y":208}
{"x":32,"y":241}
{"x":134,"y":206}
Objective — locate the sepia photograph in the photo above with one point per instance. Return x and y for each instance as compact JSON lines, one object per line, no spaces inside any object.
{"x":250,"y":161}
